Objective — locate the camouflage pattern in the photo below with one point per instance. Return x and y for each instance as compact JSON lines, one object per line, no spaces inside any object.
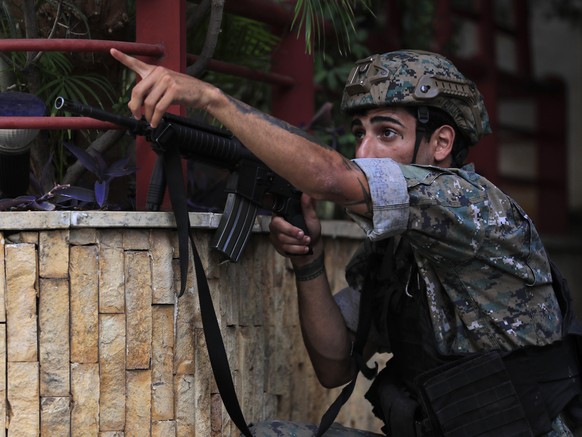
{"x":280,"y":428}
{"x":560,"y":429}
{"x":486,"y":272}
{"x":417,"y":78}
{"x":487,"y":277}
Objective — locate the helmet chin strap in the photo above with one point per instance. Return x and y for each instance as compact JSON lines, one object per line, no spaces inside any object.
{"x":421,"y":121}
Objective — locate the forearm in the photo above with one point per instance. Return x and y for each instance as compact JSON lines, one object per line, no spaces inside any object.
{"x":325,"y":335}
{"x":317,"y":170}
{"x":313,"y":168}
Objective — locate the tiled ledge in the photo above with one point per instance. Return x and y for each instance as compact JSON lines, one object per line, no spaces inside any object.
{"x":38,"y":220}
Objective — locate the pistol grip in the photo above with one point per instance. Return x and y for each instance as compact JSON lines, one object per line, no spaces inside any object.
{"x":294,"y":215}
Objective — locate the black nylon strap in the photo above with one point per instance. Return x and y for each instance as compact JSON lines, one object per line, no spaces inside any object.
{"x":172,"y":163}
{"x":333,"y":410}
{"x":214,"y":342}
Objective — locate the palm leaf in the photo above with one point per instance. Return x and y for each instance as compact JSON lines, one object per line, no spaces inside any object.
{"x":312,"y":14}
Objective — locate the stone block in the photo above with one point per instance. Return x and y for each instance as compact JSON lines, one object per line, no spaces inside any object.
{"x":54,"y":347}
{"x":112,"y":372}
{"x":23,"y":398}
{"x":203,"y":380}
{"x":163,"y":362}
{"x":85,"y":393}
{"x":3,"y":381}
{"x":185,"y":405}
{"x":55,"y":416}
{"x":110,"y":237}
{"x":187,"y":312}
{"x":84,"y":304}
{"x":162,"y":253}
{"x":138,"y":301}
{"x":164,"y":428}
{"x":2,"y":280}
{"x":136,"y":239}
{"x":251,"y":347}
{"x":138,"y":408}
{"x":21,"y":309}
{"x":83,"y":236}
{"x":111,"y":279}
{"x":53,"y":254}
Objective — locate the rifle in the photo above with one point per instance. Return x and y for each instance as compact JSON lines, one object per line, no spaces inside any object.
{"x":250,"y":180}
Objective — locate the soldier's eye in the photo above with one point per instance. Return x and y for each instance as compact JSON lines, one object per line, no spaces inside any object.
{"x":359,"y":134}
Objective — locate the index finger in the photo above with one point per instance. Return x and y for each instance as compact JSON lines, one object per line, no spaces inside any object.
{"x":132,"y":63}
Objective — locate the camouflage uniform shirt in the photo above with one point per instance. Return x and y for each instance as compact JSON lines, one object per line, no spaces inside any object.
{"x":487,"y":276}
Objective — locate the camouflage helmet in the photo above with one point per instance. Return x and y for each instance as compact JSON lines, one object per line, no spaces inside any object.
{"x":417,"y":78}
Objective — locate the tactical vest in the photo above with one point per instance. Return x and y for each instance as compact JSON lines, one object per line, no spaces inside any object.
{"x":423,"y":393}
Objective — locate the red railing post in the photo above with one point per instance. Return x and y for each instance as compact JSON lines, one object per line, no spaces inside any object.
{"x":158,"y":22}
{"x":294,"y":104}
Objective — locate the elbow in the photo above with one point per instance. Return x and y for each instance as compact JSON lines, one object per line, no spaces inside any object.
{"x":329,"y":384}
{"x":324,"y":179}
{"x":333,"y":379}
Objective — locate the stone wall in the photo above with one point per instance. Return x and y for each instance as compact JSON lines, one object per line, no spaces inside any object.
{"x":93,"y":341}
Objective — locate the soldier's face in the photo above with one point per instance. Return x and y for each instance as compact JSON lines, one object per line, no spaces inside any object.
{"x":388,"y":133}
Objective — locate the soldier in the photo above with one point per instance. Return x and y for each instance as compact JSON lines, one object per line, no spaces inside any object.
{"x":453,"y":277}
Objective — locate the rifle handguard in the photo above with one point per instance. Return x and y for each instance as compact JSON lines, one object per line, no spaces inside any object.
{"x":199,"y":141}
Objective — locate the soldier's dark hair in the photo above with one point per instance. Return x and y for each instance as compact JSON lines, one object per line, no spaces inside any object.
{"x":437,"y":118}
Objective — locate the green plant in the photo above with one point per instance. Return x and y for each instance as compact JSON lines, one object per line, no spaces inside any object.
{"x":417,"y":23}
{"x":74,"y":76}
{"x":244,"y":42}
{"x":104,"y":173}
{"x":311,"y":16}
{"x":60,"y":80}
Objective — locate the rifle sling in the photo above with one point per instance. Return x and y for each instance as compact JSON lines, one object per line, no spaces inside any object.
{"x":214,"y":342}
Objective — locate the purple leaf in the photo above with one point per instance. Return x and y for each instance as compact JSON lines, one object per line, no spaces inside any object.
{"x":77,"y":193}
{"x":19,"y":202}
{"x":88,"y":161}
{"x":101,"y":192}
{"x":42,"y":206}
{"x":120,"y":168}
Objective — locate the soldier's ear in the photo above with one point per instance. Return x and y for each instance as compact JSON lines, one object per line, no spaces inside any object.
{"x":443,"y":139}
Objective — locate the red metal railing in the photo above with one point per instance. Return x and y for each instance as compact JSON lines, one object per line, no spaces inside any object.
{"x":165,"y":45}
{"x":69,"y":45}
{"x":79,"y":45}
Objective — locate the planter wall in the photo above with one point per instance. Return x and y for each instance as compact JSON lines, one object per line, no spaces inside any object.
{"x":93,"y":341}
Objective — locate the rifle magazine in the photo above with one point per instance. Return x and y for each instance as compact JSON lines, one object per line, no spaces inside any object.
{"x":235,"y":226}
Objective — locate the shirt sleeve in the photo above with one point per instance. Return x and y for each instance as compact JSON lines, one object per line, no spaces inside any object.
{"x":390,"y":200}
{"x":348,"y":301}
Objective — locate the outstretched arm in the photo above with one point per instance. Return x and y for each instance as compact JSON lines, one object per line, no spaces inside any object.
{"x":317,"y":170}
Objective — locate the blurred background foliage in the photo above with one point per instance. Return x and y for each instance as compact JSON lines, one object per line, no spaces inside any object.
{"x":337,"y":33}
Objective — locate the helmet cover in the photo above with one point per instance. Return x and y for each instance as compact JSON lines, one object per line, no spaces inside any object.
{"x":417,"y":78}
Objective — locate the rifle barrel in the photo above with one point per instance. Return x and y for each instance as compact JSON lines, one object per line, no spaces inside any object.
{"x":88,"y":111}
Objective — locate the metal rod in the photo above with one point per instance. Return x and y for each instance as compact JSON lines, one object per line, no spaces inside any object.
{"x":55,"y":123}
{"x":245,"y":72}
{"x":80,"y":45}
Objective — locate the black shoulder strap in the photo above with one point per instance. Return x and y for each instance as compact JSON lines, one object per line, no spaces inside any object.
{"x":214,"y":342}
